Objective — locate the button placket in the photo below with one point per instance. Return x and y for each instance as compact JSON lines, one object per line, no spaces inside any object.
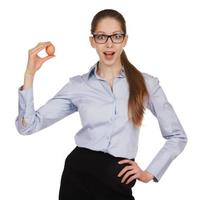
{"x":107,"y":87}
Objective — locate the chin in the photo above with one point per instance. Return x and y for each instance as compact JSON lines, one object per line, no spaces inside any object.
{"x":108,"y":62}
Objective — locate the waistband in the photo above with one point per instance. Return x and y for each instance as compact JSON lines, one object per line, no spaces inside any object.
{"x":100,"y":153}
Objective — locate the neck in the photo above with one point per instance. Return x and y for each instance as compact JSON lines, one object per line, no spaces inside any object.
{"x":108,"y":71}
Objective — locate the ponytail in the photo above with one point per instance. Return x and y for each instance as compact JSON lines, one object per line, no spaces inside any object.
{"x":137,"y":91}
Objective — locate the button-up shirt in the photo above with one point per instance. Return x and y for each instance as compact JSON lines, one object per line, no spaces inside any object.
{"x":104,"y":116}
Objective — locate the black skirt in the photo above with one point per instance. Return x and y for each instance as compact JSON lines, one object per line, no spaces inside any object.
{"x":92,"y":175}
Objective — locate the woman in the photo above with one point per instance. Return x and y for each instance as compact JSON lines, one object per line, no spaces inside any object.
{"x":111,"y":99}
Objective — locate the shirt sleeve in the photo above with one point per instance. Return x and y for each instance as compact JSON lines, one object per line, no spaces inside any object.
{"x":30,"y":120}
{"x":170,"y":127}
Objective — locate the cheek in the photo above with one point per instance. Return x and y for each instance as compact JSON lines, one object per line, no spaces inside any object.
{"x":121,"y":47}
{"x":99,"y":51}
{"x":119,"y":51}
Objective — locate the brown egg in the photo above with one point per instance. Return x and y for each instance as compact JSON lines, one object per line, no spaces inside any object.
{"x":50,"y":50}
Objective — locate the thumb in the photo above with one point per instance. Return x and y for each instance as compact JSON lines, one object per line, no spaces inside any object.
{"x":47,"y":58}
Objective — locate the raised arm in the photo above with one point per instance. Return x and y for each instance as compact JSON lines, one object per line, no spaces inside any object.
{"x":28,"y":120}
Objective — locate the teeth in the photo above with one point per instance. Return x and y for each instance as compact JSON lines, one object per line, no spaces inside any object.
{"x":109,"y":53}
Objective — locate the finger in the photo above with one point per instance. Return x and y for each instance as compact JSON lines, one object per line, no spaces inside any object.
{"x":36,"y":50}
{"x":127,"y":175}
{"x":124,"y":170}
{"x":47,"y":58}
{"x":124,"y":161}
{"x":43,"y":43}
{"x":131,"y":178}
{"x":39,"y":46}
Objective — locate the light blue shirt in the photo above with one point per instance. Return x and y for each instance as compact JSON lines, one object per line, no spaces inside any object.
{"x":104,"y":116}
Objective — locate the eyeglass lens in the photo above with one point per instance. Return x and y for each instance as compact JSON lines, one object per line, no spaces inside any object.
{"x":102,"y":38}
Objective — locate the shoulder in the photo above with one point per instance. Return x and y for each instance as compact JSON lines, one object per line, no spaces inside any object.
{"x":148,"y":77}
{"x":152,"y":82}
{"x":79,"y":78}
{"x":75,"y":79}
{"x":77,"y":82}
{"x":70,"y":85}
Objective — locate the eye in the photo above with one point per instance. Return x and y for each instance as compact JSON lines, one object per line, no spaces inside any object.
{"x":118,"y":36}
{"x":100,"y":37}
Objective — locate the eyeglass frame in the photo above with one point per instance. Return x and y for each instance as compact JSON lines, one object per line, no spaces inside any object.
{"x":109,"y":36}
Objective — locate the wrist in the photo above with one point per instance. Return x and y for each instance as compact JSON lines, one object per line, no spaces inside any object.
{"x":148,"y":175}
{"x":28,"y":74}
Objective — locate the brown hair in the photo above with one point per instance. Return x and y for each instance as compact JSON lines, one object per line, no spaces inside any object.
{"x":137,"y":88}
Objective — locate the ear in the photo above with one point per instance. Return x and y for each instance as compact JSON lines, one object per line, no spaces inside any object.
{"x":92,"y":41}
{"x":125,"y":40}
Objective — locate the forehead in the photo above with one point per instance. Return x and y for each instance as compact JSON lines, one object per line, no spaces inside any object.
{"x":108,"y":25}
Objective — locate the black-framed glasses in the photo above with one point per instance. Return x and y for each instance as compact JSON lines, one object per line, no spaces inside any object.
{"x":101,"y":38}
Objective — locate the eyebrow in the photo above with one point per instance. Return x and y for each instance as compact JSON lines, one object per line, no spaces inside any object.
{"x":102,"y":32}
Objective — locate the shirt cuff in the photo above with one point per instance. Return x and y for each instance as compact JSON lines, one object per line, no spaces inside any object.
{"x":26,"y":105}
{"x":159,"y":165}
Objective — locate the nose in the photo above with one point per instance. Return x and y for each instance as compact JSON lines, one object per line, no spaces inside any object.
{"x":109,"y":43}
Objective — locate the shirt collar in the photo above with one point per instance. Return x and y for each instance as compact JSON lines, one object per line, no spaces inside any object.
{"x":93,"y":69}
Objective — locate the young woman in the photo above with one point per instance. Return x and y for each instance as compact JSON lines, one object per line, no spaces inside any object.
{"x":111,"y":99}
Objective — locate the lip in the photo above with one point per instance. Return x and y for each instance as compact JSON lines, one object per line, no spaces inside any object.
{"x":109,"y":52}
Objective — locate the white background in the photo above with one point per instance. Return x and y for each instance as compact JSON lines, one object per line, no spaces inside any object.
{"x":163,"y":41}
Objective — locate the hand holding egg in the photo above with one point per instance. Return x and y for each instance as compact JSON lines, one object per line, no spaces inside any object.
{"x":35,"y":61}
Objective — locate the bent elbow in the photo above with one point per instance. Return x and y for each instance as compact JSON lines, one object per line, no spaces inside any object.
{"x":181,"y":144}
{"x":185,"y":140}
{"x":22,"y":127}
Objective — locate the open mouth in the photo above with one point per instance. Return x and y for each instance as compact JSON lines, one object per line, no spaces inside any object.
{"x":109,"y":53}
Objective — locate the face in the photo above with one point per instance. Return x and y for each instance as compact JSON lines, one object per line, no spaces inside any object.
{"x":109,"y":52}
